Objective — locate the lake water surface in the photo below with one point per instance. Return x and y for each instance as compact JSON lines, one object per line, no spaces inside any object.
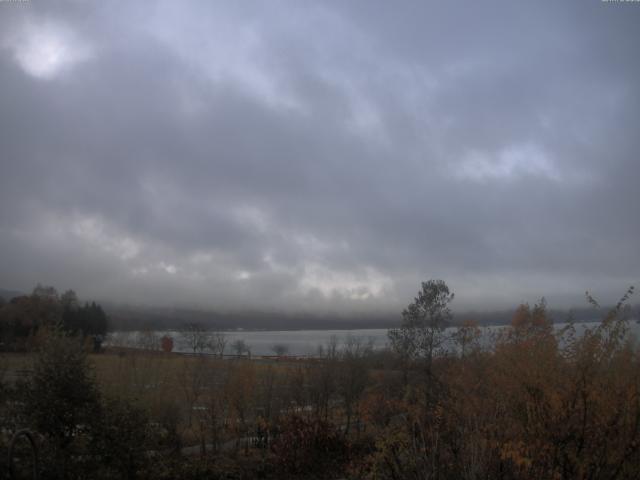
{"x":306,"y":342}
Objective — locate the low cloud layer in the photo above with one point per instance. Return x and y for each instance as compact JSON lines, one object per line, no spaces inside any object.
{"x":323,"y":156}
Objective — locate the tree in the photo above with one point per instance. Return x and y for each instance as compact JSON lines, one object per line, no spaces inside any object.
{"x":97,"y":320}
{"x":61,"y":398}
{"x":240,"y":347}
{"x":280,"y":349}
{"x":309,"y":448}
{"x":240,"y":396}
{"x":196,"y":337}
{"x":193,"y":382}
{"x":121,"y":439}
{"x":353,"y":375}
{"x":25,"y":314}
{"x":166,"y":343}
{"x":217,"y":343}
{"x":88,"y":320}
{"x":467,"y":337}
{"x":423,"y":323}
{"x":69,"y":300}
{"x":45,"y":292}
{"x":421,"y":335}
{"x":530,"y":322}
{"x":323,"y":378}
{"x":147,"y":339}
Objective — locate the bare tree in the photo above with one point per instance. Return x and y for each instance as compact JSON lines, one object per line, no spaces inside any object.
{"x":280,"y":349}
{"x":240,"y":347}
{"x":322,"y":384}
{"x":217,"y":343}
{"x":353,"y":376}
{"x":193,"y":383}
{"x":196,"y":336}
{"x":148,"y":339}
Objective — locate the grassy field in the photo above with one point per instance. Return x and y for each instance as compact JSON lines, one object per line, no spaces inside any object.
{"x":197,"y":396}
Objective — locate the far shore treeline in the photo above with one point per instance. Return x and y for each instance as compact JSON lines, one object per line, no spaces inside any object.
{"x":23,"y":315}
{"x":134,"y":317}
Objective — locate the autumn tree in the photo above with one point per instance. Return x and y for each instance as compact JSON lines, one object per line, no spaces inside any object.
{"x":531,"y":322}
{"x":24,"y":315}
{"x":166,"y":343}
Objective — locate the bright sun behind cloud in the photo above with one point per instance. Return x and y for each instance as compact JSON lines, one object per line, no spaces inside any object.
{"x":43,"y":51}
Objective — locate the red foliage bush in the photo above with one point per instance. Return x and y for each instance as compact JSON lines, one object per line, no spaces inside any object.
{"x":167,"y":344}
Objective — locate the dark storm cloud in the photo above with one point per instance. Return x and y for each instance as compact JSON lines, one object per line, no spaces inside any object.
{"x":319,"y":156}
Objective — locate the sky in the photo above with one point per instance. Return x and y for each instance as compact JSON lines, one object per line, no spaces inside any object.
{"x":320,"y":156}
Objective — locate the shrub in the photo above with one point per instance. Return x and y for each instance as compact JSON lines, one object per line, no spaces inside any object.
{"x":305,"y":446}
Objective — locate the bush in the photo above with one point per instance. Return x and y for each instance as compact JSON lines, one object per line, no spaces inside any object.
{"x":121,"y":439}
{"x":308,"y":446}
{"x":61,"y":402}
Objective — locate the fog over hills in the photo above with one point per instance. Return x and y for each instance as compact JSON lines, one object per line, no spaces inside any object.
{"x":123,"y":316}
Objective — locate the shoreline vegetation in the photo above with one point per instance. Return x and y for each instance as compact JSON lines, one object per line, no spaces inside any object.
{"x":299,"y":343}
{"x":535,"y":402}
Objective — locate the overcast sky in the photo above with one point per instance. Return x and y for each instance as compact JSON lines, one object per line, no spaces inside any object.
{"x":320,"y":156}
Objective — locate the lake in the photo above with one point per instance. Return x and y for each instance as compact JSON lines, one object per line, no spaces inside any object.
{"x":301,"y":342}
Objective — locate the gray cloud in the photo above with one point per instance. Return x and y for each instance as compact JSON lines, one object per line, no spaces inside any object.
{"x":318,"y":157}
